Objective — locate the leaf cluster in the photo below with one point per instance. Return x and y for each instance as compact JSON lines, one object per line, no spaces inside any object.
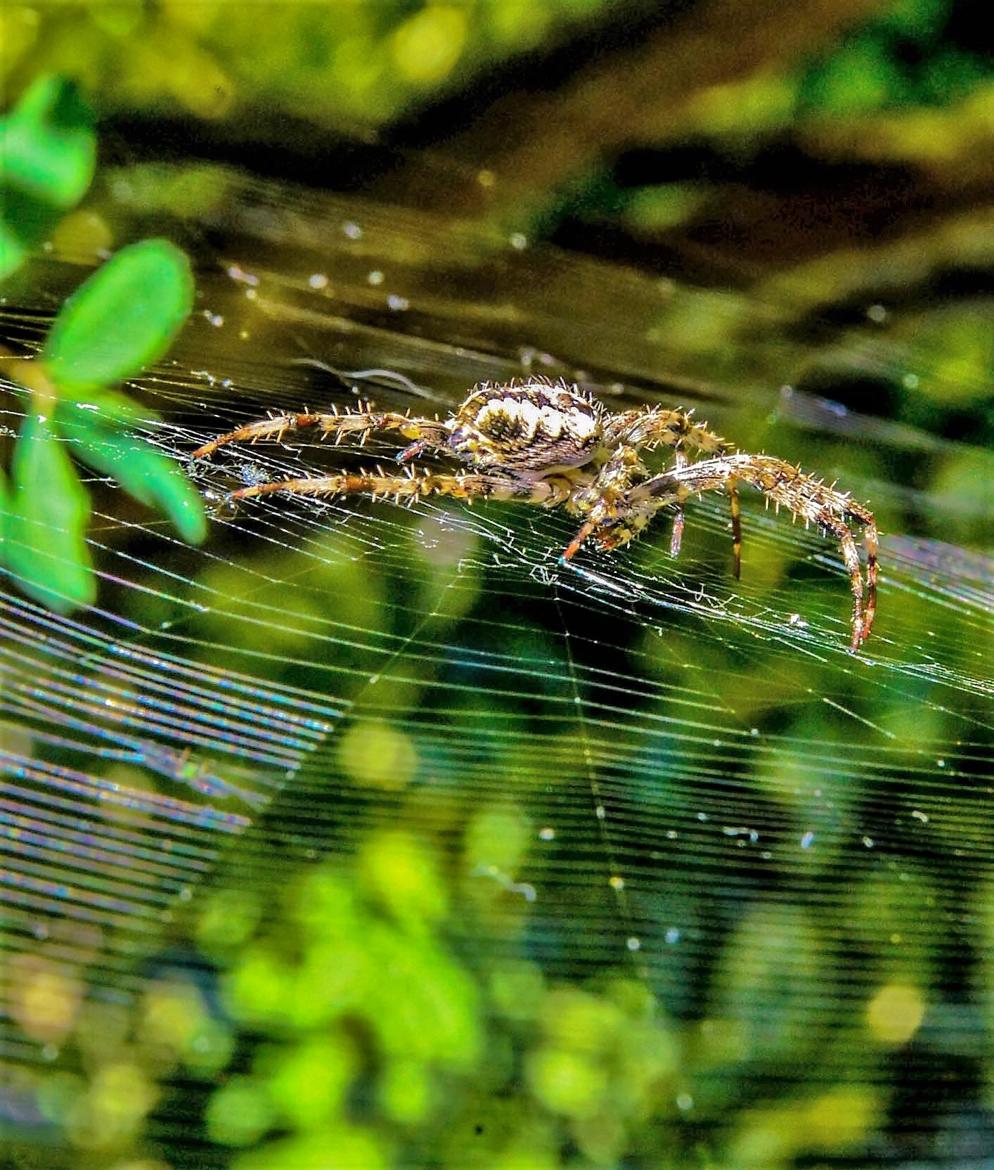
{"x":120,"y":320}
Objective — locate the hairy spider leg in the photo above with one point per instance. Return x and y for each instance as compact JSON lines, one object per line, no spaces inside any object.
{"x":871,"y":541}
{"x":805,"y":496}
{"x":658,"y":427}
{"x":681,"y":431}
{"x":735,"y":506}
{"x":426,"y":431}
{"x":861,"y":619}
{"x":679,"y":515}
{"x":548,"y":493}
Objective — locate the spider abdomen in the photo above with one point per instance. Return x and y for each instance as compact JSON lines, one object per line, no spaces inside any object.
{"x":527,"y":427}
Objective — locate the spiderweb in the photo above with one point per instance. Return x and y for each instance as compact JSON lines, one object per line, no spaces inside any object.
{"x":715,"y":796}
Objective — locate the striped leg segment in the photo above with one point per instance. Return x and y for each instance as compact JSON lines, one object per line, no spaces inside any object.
{"x":408,"y":488}
{"x":668,"y":428}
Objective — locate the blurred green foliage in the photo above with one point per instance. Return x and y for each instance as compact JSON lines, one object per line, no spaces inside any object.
{"x":897,"y":60}
{"x":122,"y":319}
{"x":349,"y":65}
{"x":363,"y":1012}
{"x":148,"y":288}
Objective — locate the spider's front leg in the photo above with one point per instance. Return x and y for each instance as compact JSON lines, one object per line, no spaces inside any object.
{"x":422,"y":432}
{"x":734,"y":505}
{"x":653,"y":427}
{"x":805,"y":496}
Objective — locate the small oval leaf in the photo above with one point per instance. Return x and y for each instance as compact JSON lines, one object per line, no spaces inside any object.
{"x":122,"y":318}
{"x":44,"y":522}
{"x":100,"y":432}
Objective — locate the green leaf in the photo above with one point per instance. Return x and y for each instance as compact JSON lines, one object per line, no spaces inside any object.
{"x":99,"y":430}
{"x":122,"y":318}
{"x":44,"y":522}
{"x":47,"y":156}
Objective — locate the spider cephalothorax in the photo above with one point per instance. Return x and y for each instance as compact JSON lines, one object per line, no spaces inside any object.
{"x":548,"y":443}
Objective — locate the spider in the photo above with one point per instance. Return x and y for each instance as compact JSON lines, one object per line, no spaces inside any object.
{"x":549,"y":443}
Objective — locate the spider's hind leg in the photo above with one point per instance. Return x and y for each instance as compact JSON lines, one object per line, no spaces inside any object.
{"x":871,"y":542}
{"x":862,"y":617}
{"x":410,"y":487}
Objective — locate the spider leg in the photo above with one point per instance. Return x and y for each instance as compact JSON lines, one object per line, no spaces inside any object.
{"x":735,"y":504}
{"x":604,"y":501}
{"x":871,"y":542}
{"x":429,"y":432}
{"x":861,"y":619}
{"x":676,"y":536}
{"x":670,"y":428}
{"x":409,"y":488}
{"x":573,"y":547}
{"x":804,"y":495}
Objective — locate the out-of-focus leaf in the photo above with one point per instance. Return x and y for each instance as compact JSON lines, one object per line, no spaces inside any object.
{"x":44,"y":522}
{"x":13,"y":248}
{"x":773,"y":957}
{"x":121,"y":319}
{"x":100,"y":433}
{"x":47,"y":156}
{"x":47,"y":144}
